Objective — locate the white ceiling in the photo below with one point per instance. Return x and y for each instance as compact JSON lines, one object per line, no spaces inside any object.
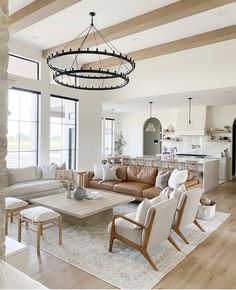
{"x":214,"y":97}
{"x":52,"y":30}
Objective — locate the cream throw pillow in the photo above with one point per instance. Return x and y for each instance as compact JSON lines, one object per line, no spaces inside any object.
{"x":178,"y":192}
{"x":109,"y":173}
{"x":177,"y":177}
{"x":164,"y":194}
{"x":142,"y":213}
{"x":97,"y":169}
{"x":49,"y":171}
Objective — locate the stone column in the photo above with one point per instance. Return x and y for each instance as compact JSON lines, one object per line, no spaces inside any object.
{"x":4,"y":37}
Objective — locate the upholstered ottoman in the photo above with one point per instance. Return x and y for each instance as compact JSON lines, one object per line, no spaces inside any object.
{"x":40,"y":216}
{"x":13,"y":206}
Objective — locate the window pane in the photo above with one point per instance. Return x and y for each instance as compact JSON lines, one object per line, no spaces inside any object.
{"x":69,"y":110}
{"x":28,"y":158}
{"x":55,"y":136}
{"x":23,"y":67}
{"x":109,"y":136}
{"x":28,"y":106}
{"x":13,"y":105}
{"x":13,"y":135}
{"x":22,"y":135}
{"x":55,"y":157}
{"x":28,"y":136}
{"x":62,"y":131}
{"x":12,"y":159}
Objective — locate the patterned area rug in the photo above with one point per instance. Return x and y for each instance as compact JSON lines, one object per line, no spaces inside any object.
{"x":87,"y":249}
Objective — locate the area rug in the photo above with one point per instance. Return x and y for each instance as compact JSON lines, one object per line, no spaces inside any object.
{"x":87,"y":249}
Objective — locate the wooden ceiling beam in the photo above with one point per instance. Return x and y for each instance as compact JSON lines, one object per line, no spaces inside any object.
{"x":163,"y":15}
{"x":198,"y":40}
{"x":37,"y":11}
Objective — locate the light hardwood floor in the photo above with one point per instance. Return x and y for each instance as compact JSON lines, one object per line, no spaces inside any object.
{"x":211,"y":265}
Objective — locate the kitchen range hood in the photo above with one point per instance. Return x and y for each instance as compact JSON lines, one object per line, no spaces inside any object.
{"x":198,"y":121}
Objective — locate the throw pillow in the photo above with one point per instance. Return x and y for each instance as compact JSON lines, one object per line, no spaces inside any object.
{"x":162,"y":179}
{"x":97,"y":169}
{"x":176,"y":193}
{"x":49,"y":171}
{"x":142,"y":212}
{"x":61,"y":167}
{"x":64,"y":174}
{"x":177,"y":177}
{"x":164,"y":194}
{"x":109,"y":173}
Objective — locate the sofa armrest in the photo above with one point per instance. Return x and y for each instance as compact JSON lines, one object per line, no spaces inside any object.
{"x":88,"y":177}
{"x":191,"y":183}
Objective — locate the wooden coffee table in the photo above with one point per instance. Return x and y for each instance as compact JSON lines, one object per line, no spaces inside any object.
{"x":83,"y":212}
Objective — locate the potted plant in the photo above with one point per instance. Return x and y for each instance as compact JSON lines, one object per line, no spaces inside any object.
{"x":69,"y":185}
{"x":119,"y":144}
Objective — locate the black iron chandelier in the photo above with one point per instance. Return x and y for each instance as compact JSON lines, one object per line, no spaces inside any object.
{"x":96,"y":76}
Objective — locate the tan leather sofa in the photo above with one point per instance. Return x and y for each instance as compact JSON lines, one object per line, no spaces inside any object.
{"x":138,"y":181}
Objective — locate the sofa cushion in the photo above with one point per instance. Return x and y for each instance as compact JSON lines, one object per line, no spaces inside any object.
{"x":131,"y":188}
{"x":152,"y":192}
{"x":142,"y":174}
{"x":162,"y":179}
{"x":106,"y":185}
{"x":23,"y":174}
{"x":29,"y":187}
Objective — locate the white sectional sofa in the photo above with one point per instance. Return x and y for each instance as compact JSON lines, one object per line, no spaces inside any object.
{"x":26,"y":183}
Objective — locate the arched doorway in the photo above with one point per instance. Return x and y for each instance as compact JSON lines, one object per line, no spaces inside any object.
{"x":151,"y":140}
{"x":234,"y":148}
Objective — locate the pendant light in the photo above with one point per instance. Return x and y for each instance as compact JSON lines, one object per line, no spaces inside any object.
{"x":150,"y":126}
{"x":189,"y":110}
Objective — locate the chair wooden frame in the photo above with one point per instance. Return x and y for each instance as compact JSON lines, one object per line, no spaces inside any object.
{"x":40,"y":228}
{"x":141,"y":248}
{"x":9,"y":213}
{"x":176,"y":226}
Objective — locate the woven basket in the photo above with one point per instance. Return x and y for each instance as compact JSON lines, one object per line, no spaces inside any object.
{"x":206,"y":212}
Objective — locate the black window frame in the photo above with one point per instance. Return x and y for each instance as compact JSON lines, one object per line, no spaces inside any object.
{"x":27,"y":59}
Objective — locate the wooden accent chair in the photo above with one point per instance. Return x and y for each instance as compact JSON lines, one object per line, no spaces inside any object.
{"x":157,"y":228}
{"x":186,"y":212}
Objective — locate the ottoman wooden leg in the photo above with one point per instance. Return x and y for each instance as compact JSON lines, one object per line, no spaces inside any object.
{"x":60,"y":230}
{"x":6,"y":223}
{"x":38,"y":237}
{"x":19,"y":229}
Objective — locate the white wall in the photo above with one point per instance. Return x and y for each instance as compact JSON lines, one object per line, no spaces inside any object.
{"x":131,"y":125}
{"x":89,"y":116}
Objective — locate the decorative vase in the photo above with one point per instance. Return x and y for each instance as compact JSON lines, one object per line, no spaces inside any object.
{"x":68,"y":193}
{"x":79,"y":193}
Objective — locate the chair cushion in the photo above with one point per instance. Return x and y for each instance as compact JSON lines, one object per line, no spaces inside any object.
{"x":131,"y":188}
{"x":106,"y":185}
{"x":126,"y":229}
{"x":39,"y":214}
{"x":14,"y":203}
{"x":29,"y":187}
{"x":152,"y":192}
{"x":142,"y":174}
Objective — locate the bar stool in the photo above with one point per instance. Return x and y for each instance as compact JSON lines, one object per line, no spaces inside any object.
{"x":39,"y":216}
{"x":192,"y":166}
{"x":126,"y":160}
{"x":13,"y":207}
{"x":140,"y":161}
{"x":172,"y":163}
